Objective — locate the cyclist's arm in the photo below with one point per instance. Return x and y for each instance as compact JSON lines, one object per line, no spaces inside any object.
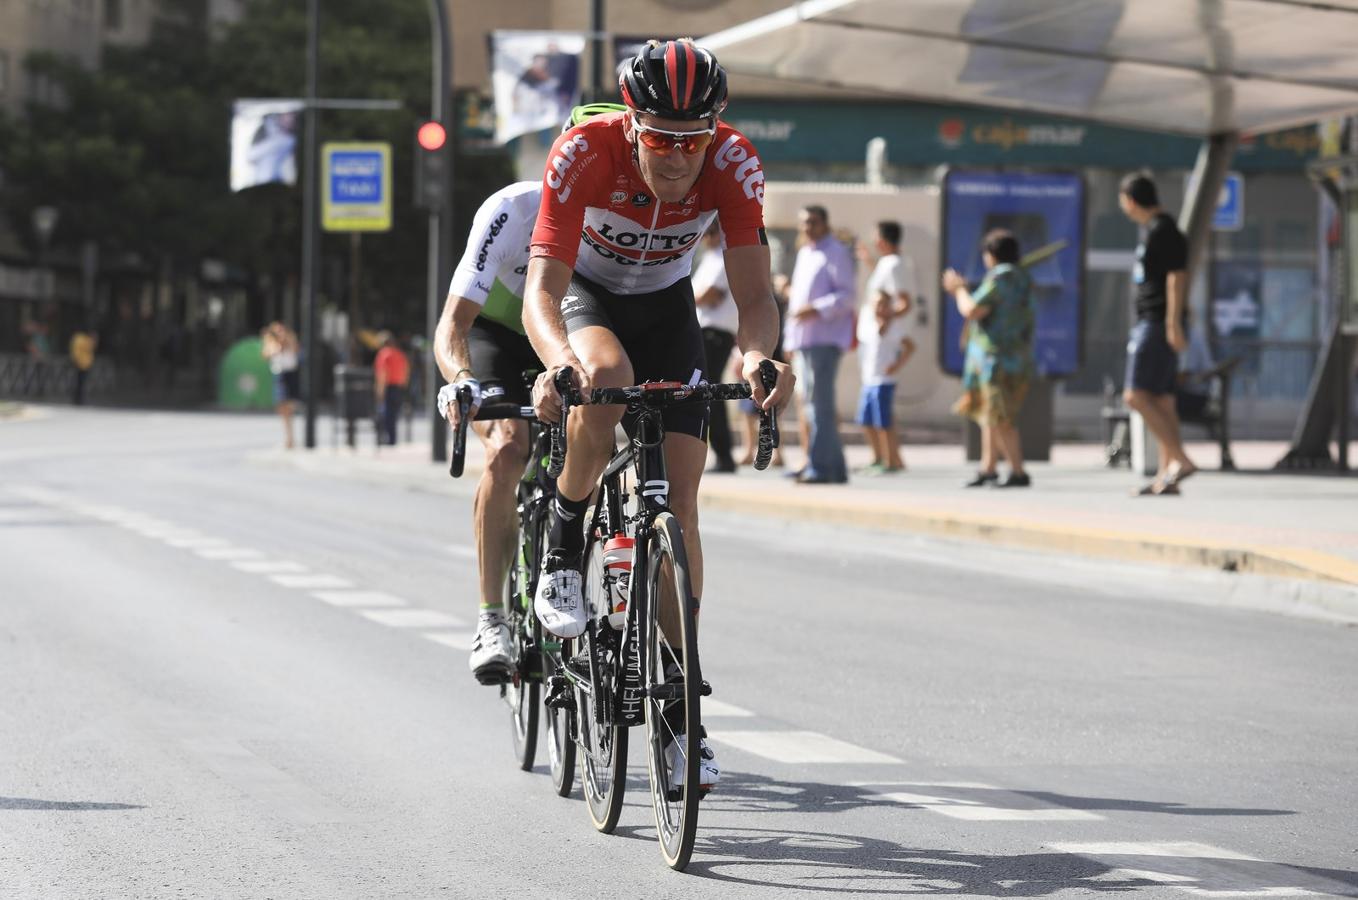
{"x":450,"y":338}
{"x":747,"y":276}
{"x":548,"y":281}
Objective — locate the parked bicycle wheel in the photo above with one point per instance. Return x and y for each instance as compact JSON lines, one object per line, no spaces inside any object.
{"x":602,"y":748}
{"x":674,"y":685}
{"x":523,"y":692}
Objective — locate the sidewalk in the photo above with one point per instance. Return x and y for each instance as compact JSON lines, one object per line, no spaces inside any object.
{"x":1292,"y":526}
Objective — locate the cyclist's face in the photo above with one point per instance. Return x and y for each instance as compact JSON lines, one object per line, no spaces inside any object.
{"x":670,"y":175}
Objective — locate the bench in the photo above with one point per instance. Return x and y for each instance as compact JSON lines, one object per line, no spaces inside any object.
{"x":1214,"y":417}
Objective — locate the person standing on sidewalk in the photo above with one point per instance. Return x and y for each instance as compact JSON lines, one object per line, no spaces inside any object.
{"x":1160,"y":332}
{"x":819,"y":329}
{"x":884,"y":347}
{"x":83,"y":345}
{"x":391,"y":378}
{"x":718,"y":318}
{"x":999,"y":356}
{"x":279,"y":345}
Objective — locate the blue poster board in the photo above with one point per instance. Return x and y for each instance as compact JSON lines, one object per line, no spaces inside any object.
{"x":1041,"y":210}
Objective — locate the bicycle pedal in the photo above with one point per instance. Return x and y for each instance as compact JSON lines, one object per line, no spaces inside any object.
{"x":494,"y":676}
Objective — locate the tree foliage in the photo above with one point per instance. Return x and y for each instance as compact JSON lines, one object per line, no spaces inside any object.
{"x":136,"y":155}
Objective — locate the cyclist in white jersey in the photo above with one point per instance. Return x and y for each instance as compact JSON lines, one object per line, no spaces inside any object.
{"x":480,"y":344}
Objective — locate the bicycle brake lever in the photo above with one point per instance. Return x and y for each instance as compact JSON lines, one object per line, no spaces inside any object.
{"x":556,"y":461}
{"x":464,"y":406}
{"x":769,"y":439}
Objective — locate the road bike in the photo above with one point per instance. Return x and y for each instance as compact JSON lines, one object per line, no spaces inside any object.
{"x":647,"y":671}
{"x":536,"y":655}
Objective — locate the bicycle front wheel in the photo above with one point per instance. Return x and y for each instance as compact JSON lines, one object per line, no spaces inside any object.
{"x":673,"y":686}
{"x":603,"y":748}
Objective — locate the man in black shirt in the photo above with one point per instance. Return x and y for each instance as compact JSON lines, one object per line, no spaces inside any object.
{"x":1161,"y":279}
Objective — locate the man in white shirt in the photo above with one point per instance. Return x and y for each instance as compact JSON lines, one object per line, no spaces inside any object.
{"x":884,"y":347}
{"x":718,"y":318}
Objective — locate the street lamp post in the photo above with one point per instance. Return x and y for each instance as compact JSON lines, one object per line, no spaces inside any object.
{"x":440,"y":223}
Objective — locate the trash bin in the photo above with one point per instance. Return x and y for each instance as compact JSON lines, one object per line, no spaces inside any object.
{"x":353,"y":397}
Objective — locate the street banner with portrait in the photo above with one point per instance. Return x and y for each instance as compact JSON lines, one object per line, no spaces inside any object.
{"x":264,"y":142}
{"x":536,"y":76}
{"x":1046,"y":214}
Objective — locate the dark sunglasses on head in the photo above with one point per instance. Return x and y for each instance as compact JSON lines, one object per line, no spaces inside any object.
{"x":663,"y":143}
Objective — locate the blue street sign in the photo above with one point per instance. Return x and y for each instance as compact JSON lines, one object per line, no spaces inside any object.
{"x":356,"y":186}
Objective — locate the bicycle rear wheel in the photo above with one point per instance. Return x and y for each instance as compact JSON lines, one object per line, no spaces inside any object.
{"x":522,"y":692}
{"x":560,"y":722}
{"x":603,"y":748}
{"x":673,"y":716}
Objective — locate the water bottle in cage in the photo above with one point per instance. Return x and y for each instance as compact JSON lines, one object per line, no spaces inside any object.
{"x":617,"y":578}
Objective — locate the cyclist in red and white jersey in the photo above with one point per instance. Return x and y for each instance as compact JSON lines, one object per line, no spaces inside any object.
{"x":626,"y":198}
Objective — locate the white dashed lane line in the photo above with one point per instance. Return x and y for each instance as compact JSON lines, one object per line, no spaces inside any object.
{"x":800,"y":747}
{"x":269,"y":566}
{"x":311,"y":580}
{"x":358,"y":598}
{"x":458,"y":640}
{"x":412,"y":618}
{"x":228,"y":553}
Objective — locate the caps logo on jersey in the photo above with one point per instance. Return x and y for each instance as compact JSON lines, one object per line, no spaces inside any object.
{"x":618,"y":197}
{"x":640,"y":199}
{"x":561,"y":163}
{"x":747,"y":170}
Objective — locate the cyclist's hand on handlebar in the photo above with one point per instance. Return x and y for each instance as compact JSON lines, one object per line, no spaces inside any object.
{"x":782,"y":391}
{"x":546,"y":400}
{"x":447,"y":399}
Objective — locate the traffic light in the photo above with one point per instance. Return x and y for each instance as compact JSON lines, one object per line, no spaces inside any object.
{"x":432,"y":165}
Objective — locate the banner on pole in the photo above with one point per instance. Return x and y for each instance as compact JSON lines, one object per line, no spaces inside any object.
{"x":536,"y":75}
{"x":264,"y":142}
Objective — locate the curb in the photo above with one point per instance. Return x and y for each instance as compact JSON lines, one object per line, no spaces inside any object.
{"x":1278,"y":562}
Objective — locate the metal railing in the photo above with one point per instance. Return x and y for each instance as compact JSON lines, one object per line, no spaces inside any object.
{"x":24,"y":377}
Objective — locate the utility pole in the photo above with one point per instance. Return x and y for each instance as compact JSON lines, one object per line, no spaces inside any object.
{"x":440,"y":223}
{"x":310,"y":350}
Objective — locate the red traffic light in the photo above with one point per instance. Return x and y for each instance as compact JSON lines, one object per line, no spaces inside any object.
{"x":431,"y":135}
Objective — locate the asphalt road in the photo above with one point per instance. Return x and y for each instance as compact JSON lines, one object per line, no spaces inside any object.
{"x":221,"y":679}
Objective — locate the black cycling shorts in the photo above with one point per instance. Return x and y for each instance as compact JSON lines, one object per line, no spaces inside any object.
{"x":500,"y":357}
{"x":659,"y":332}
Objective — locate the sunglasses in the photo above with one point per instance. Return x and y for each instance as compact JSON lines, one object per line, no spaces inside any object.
{"x":663,"y":143}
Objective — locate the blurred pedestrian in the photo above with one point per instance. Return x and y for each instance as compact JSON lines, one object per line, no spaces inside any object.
{"x":718,"y":318}
{"x":280,"y":347}
{"x":884,"y":347}
{"x":84,"y":343}
{"x":391,"y":379}
{"x":1160,"y":332}
{"x":999,"y":355}
{"x":819,"y":330}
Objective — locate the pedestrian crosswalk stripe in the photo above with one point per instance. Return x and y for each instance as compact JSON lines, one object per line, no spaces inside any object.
{"x":975,"y":811}
{"x":456,"y":639}
{"x":228,"y":553}
{"x":1181,"y":849}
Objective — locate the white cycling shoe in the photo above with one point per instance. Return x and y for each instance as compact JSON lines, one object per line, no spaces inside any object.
{"x":492,"y":656}
{"x":559,"y":602}
{"x":709,"y":773}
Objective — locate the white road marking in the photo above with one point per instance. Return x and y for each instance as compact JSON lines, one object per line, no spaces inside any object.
{"x":358,"y":598}
{"x":268,"y":566}
{"x":197,"y":543}
{"x":455,"y":639}
{"x":311,"y":580}
{"x":717,"y":708}
{"x":1255,"y":892}
{"x":966,"y":785}
{"x":1181,"y":849}
{"x":462,"y":551}
{"x":413,"y":618}
{"x":228,"y":553}
{"x":800,"y":747}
